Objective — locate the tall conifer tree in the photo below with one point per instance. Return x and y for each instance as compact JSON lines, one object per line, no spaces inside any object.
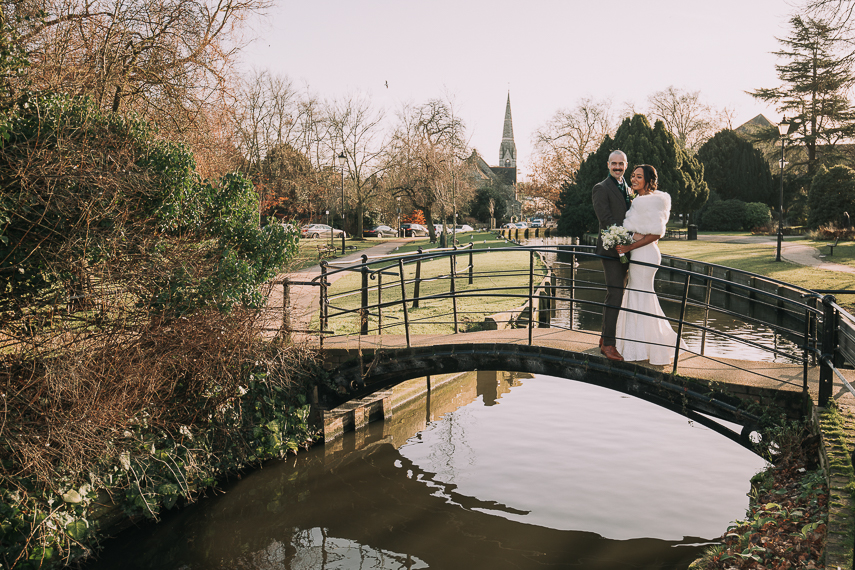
{"x":815,"y":80}
{"x":734,"y":169}
{"x":681,"y":175}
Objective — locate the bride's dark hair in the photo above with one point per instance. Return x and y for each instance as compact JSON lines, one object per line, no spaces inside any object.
{"x":649,"y":174}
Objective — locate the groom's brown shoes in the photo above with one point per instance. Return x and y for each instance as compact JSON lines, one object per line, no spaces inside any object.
{"x":611,"y":353}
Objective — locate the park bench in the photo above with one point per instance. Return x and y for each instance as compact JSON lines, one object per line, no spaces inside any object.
{"x":831,"y":246}
{"x":676,"y":234}
{"x":325,"y":250}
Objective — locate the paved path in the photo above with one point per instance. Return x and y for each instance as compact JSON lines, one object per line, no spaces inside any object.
{"x":304,"y":299}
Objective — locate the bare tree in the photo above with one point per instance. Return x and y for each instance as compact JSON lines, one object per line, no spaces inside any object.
{"x":425,"y":159}
{"x":691,"y":121}
{"x":265,"y":111}
{"x":567,"y":138}
{"x":162,"y":58}
{"x":356,"y":130}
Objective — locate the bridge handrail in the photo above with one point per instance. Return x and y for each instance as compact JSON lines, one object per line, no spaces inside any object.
{"x":413,"y":257}
{"x":793,"y":309}
{"x":552,"y":249}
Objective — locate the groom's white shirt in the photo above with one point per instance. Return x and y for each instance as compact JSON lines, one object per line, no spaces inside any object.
{"x":649,"y":214}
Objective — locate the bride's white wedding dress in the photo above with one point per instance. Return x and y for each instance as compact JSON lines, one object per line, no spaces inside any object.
{"x":645,"y":337}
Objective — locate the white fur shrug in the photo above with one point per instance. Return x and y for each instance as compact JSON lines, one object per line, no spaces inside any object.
{"x":649,"y":214}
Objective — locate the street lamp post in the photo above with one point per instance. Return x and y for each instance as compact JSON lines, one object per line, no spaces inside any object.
{"x":398,"y":231}
{"x":341,"y":161}
{"x":783,"y":129}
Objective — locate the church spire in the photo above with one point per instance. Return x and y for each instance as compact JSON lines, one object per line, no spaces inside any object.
{"x":508,"y":150}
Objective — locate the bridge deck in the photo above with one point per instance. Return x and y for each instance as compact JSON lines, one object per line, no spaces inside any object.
{"x":767,"y":375}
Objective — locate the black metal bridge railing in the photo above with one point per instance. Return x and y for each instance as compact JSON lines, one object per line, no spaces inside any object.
{"x":452,"y":290}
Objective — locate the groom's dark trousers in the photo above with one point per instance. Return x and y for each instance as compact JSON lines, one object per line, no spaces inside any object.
{"x":610,"y":206}
{"x":615,"y":273}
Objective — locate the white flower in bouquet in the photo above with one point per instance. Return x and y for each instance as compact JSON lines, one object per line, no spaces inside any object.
{"x":615,"y":236}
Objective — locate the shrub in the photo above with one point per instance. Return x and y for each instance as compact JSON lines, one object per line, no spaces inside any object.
{"x":832,"y":192}
{"x":724,"y":216}
{"x":756,"y":215}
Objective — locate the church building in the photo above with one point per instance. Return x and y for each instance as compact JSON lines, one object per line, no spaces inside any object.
{"x":504,"y":175}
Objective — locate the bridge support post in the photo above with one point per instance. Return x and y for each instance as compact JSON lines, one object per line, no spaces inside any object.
{"x":417,"y":281}
{"x":363,"y":309}
{"x":471,"y":260}
{"x":706,"y":309}
{"x":572,"y":284}
{"x":813,"y":328}
{"x":324,"y":302}
{"x":404,"y":302}
{"x":829,"y":344}
{"x":286,"y":307}
{"x":379,"y":302}
{"x":530,"y":295}
{"x":453,"y":291}
{"x":680,"y":324}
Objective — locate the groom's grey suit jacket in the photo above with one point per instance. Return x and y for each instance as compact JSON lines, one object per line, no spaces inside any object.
{"x":610,"y":206}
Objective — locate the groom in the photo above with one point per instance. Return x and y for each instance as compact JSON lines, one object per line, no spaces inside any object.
{"x":611,"y":201}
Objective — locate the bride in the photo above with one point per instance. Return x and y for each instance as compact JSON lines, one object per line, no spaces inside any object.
{"x":644,"y":336}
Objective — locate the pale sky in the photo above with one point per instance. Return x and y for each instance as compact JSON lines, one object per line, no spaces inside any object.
{"x":547,"y":53}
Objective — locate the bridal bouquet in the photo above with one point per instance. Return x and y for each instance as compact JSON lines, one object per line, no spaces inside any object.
{"x":615,"y":236}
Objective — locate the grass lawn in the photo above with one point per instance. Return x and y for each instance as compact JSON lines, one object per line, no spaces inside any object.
{"x":505,"y":272}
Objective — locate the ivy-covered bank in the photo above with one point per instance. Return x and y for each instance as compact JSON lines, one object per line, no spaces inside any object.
{"x":785,"y":526}
{"x":156,"y":462}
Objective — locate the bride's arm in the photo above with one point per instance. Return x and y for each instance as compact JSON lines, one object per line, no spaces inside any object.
{"x":645,"y":239}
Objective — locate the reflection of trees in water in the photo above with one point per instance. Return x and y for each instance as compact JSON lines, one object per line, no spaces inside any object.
{"x":449,"y":446}
{"x":314,"y":549}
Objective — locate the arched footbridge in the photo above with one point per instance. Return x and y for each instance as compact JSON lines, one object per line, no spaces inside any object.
{"x":388,"y":319}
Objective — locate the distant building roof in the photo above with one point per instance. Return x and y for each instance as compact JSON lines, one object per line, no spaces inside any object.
{"x":749,"y":127}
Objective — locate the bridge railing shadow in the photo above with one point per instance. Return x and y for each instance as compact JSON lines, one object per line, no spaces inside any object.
{"x":457,"y":290}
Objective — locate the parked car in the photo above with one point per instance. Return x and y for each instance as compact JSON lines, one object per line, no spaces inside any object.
{"x":537,"y":223}
{"x":509,"y":226}
{"x":522,"y":225}
{"x":320,"y":230}
{"x":414,"y":230}
{"x":464,"y":228}
{"x":379,"y":231}
{"x":437,"y":229}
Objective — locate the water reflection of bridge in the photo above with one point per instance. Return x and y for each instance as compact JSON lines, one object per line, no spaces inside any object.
{"x":391,"y":318}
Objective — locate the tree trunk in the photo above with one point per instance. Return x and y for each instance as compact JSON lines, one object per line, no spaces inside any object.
{"x":429,"y":223}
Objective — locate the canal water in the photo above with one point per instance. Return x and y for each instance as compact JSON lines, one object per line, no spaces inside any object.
{"x":490,"y":470}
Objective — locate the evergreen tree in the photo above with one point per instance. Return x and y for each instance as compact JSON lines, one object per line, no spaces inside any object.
{"x":815,"y":82}
{"x":679,"y":174}
{"x":479,"y":208}
{"x":734,"y":169}
{"x":832,"y":192}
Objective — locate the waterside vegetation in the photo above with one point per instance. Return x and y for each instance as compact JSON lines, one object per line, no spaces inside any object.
{"x":131,"y":372}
